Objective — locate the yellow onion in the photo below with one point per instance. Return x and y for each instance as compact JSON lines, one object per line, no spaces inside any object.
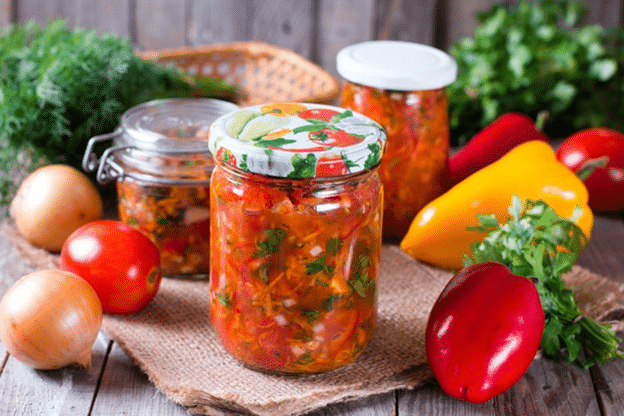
{"x":50,"y":319}
{"x":52,"y":202}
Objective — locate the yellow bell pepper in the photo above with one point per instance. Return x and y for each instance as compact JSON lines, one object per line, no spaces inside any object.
{"x":438,"y":234}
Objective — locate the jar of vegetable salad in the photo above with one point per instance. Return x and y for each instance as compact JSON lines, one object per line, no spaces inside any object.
{"x":162,"y":165}
{"x":401,"y":86}
{"x":296,"y":211}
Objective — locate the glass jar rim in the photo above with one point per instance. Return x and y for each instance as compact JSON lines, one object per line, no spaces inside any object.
{"x":172,"y":125}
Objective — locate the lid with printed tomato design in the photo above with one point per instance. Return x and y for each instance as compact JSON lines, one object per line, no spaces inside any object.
{"x":295,"y":140}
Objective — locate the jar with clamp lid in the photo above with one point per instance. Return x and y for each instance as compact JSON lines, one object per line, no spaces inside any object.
{"x":401,"y":86}
{"x":162,"y":166}
{"x":296,"y":208}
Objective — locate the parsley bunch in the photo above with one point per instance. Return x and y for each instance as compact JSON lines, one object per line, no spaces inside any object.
{"x":61,"y":86}
{"x":538,"y":243}
{"x":537,"y":57}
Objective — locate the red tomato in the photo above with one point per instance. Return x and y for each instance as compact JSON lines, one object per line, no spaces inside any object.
{"x":331,"y":137}
{"x":331,"y":165}
{"x":226,"y":156}
{"x":606,"y":184}
{"x":120,"y":263}
{"x":175,"y":245}
{"x":483,"y":331}
{"x":324,"y":114}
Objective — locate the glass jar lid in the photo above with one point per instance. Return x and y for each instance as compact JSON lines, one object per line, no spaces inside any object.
{"x":396,"y":65}
{"x":161,"y":141}
{"x":172,"y":126}
{"x":296,"y":140}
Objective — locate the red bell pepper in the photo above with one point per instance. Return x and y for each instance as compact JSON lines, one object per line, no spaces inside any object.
{"x":491,"y":143}
{"x":483,"y":331}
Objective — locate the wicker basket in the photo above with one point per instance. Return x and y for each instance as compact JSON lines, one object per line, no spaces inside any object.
{"x":265,"y":73}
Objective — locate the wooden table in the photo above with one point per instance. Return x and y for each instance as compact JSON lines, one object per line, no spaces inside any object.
{"x":116,"y":386}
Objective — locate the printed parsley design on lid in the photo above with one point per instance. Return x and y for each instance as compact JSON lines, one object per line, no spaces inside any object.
{"x":293,"y":140}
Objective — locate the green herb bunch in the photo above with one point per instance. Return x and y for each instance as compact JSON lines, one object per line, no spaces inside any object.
{"x":533,"y":58}
{"x":61,"y":86}
{"x":536,"y":242}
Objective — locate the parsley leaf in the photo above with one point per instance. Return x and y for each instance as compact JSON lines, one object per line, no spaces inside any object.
{"x":274,"y":237}
{"x":315,"y":266}
{"x":536,"y":242}
{"x":333,"y":246}
{"x":536,"y":56}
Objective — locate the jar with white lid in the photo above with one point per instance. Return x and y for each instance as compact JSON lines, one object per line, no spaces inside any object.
{"x":296,"y":210}
{"x":401,"y":85}
{"x":161,"y":163}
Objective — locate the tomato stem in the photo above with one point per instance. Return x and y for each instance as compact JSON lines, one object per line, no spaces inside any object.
{"x":590,"y":166}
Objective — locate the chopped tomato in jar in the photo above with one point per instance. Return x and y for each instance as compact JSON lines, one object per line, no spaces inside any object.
{"x":176,"y":218}
{"x":294,"y":268}
{"x":162,"y":165}
{"x":401,"y":85}
{"x":414,"y":169}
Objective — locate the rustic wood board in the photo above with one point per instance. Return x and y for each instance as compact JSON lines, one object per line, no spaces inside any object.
{"x":122,"y":378}
{"x":160,"y":23}
{"x":26,"y":391}
{"x":120,"y":387}
{"x":334,"y":35}
{"x":112,"y":16}
{"x":6,"y":12}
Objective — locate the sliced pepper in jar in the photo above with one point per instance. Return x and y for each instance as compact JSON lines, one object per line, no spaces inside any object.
{"x":414,"y":169}
{"x":295,"y":290}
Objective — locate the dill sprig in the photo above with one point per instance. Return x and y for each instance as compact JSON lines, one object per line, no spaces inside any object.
{"x":60,"y":86}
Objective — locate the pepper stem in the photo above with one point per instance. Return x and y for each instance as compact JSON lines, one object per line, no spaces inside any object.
{"x":541,"y":119}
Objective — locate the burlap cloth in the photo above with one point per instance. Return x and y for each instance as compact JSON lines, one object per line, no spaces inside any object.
{"x":173,"y":343}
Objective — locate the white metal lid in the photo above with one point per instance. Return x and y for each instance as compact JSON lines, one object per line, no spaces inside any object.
{"x":297,"y":140}
{"x":396,"y":65}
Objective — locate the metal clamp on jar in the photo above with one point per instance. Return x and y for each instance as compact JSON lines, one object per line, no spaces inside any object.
{"x":161,"y":162}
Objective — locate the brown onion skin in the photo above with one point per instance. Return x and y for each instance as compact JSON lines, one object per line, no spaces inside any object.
{"x":50,"y":319}
{"x":52,"y":202}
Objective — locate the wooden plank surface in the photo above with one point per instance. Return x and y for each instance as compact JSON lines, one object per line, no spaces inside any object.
{"x":216,"y":21}
{"x":315,"y":28}
{"x":112,"y":16}
{"x":606,"y":12}
{"x":6,"y":12}
{"x":284,"y":22}
{"x":40,"y":11}
{"x":605,"y":255}
{"x":334,"y":35}
{"x":548,"y":387}
{"x":115,"y":385}
{"x":68,"y":391}
{"x":125,"y":390}
{"x":408,"y":21}
{"x":160,"y":24}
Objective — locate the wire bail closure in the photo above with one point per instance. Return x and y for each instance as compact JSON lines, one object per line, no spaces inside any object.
{"x":107,"y":169}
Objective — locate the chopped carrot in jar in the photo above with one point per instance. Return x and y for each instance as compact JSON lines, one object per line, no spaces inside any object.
{"x":294,"y":269}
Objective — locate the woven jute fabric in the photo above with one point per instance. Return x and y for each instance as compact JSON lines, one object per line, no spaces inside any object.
{"x":173,"y":343}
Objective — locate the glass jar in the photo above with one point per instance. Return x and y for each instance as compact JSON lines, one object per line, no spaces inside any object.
{"x":401,"y":86}
{"x":296,"y":210}
{"x":162,"y":165}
